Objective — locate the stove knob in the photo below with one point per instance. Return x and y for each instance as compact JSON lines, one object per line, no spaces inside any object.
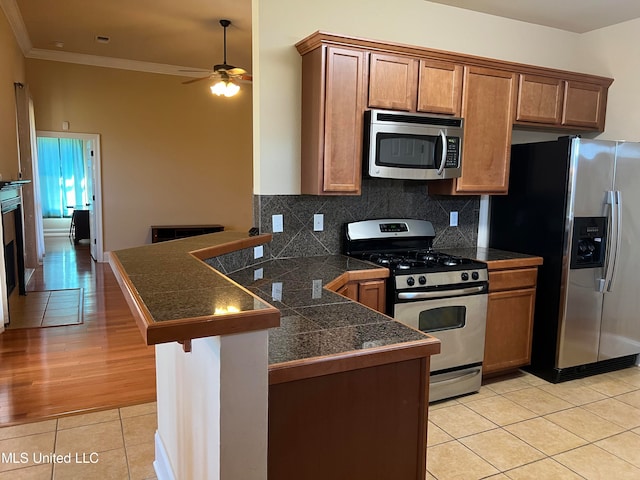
{"x":464,"y":276}
{"x":422,"y":280}
{"x":475,"y":275}
{"x":411,"y":281}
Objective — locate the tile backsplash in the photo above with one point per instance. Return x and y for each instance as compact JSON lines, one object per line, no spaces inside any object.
{"x":381,"y":198}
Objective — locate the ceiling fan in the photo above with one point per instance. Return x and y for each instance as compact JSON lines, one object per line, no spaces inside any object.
{"x":224,"y":75}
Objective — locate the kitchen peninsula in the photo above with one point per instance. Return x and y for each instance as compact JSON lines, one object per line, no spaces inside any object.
{"x":347,"y":386}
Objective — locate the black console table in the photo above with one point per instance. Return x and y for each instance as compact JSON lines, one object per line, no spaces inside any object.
{"x":162,"y":233}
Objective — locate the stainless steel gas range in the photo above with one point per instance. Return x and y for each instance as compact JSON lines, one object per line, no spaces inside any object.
{"x":443,"y":295}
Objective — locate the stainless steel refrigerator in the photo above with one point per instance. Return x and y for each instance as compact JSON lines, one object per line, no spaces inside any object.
{"x":576,"y":203}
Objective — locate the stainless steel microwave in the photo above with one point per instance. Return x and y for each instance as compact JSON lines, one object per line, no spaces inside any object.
{"x":412,"y":146}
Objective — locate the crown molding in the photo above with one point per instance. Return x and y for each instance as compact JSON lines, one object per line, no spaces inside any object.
{"x":14,"y":17}
{"x":111,"y":62}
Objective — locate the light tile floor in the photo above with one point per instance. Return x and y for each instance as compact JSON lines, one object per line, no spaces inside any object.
{"x":518,"y":427}
{"x":521,"y":427}
{"x":51,"y":308}
{"x":109,"y":445}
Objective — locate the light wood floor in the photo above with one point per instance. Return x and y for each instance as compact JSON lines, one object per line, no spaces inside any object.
{"x":100,"y":364}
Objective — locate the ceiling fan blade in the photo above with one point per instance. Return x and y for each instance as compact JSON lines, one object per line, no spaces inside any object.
{"x":246,"y":77}
{"x":193,"y":80}
{"x":237,"y":71}
{"x":200,"y":70}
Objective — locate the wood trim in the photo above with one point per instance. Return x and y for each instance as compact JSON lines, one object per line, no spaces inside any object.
{"x":232,"y":246}
{"x":356,"y":276}
{"x":511,"y":263}
{"x":319,"y":38}
{"x":329,"y":364}
{"x":512,"y":279}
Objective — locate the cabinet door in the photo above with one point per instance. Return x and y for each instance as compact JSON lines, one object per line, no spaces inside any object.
{"x":393,"y":82}
{"x":584,"y":105}
{"x":349,"y":290}
{"x":487,"y":107}
{"x":539,"y":99}
{"x":343,"y":122}
{"x":509,"y":330}
{"x":372,"y":294}
{"x":439,"y":87}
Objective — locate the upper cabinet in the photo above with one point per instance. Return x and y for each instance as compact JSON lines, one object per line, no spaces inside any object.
{"x":333,"y":95}
{"x":584,"y":105}
{"x":344,"y":76}
{"x":393,"y":82}
{"x":487,"y":107}
{"x":440,"y":87}
{"x":540,"y":99}
{"x":414,"y":85}
{"x":556,"y":102}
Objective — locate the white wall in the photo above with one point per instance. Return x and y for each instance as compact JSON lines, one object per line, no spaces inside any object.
{"x":212,"y":408}
{"x":277,"y":64}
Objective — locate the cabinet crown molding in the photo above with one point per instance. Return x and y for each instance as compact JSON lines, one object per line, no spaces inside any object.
{"x":320,"y":38}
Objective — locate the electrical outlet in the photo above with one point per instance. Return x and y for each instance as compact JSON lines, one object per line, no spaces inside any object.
{"x":258,"y":274}
{"x":276,"y":291}
{"x":318,"y":222}
{"x":258,"y":252}
{"x":453,"y":219}
{"x":277,"y":223}
{"x":316,"y":289}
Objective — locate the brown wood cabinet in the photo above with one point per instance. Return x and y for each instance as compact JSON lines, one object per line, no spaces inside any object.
{"x":424,"y":85}
{"x":555,"y":102}
{"x":512,"y":294}
{"x":584,"y":105}
{"x":540,"y":99}
{"x":440,"y":87}
{"x":368,"y":422}
{"x":341,"y":76}
{"x":393,"y":82}
{"x":488,"y":101}
{"x":333,"y":93}
{"x":371,"y":293}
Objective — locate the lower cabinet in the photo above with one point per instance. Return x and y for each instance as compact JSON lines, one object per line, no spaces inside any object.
{"x":371,"y":293}
{"x":510,"y":310}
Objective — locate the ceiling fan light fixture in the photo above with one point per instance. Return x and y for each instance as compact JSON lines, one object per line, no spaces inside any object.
{"x":226,"y":88}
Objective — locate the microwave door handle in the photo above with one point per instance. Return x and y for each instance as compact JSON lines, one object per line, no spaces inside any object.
{"x":444,"y":152}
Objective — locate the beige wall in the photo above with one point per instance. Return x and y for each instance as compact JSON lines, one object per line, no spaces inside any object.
{"x":11,"y":70}
{"x":614,"y":51}
{"x":171,"y":153}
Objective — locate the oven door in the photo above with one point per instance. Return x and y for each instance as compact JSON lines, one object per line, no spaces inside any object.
{"x":459,"y":322}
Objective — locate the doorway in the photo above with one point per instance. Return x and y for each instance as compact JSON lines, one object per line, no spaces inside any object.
{"x":74,"y":193}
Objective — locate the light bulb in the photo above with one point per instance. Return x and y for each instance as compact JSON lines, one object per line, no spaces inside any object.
{"x":232,"y":89}
{"x":228,"y":89}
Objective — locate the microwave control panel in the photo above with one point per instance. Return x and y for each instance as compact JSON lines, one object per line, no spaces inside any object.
{"x":453,"y":152}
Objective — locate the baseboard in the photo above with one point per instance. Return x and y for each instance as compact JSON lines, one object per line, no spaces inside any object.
{"x":161,"y":464}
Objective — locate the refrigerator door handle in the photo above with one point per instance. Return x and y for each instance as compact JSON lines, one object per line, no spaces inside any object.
{"x":604,"y":283}
{"x":618,"y":237}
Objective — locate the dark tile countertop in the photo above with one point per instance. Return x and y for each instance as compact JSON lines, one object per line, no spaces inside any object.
{"x":316,"y":322}
{"x":176,"y":296}
{"x":496,"y":258}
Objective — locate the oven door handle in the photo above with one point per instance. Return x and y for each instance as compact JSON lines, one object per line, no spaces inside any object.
{"x":456,"y":379}
{"x":449,"y":293}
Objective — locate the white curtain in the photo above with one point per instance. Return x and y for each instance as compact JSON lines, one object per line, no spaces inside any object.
{"x":36,"y":186}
